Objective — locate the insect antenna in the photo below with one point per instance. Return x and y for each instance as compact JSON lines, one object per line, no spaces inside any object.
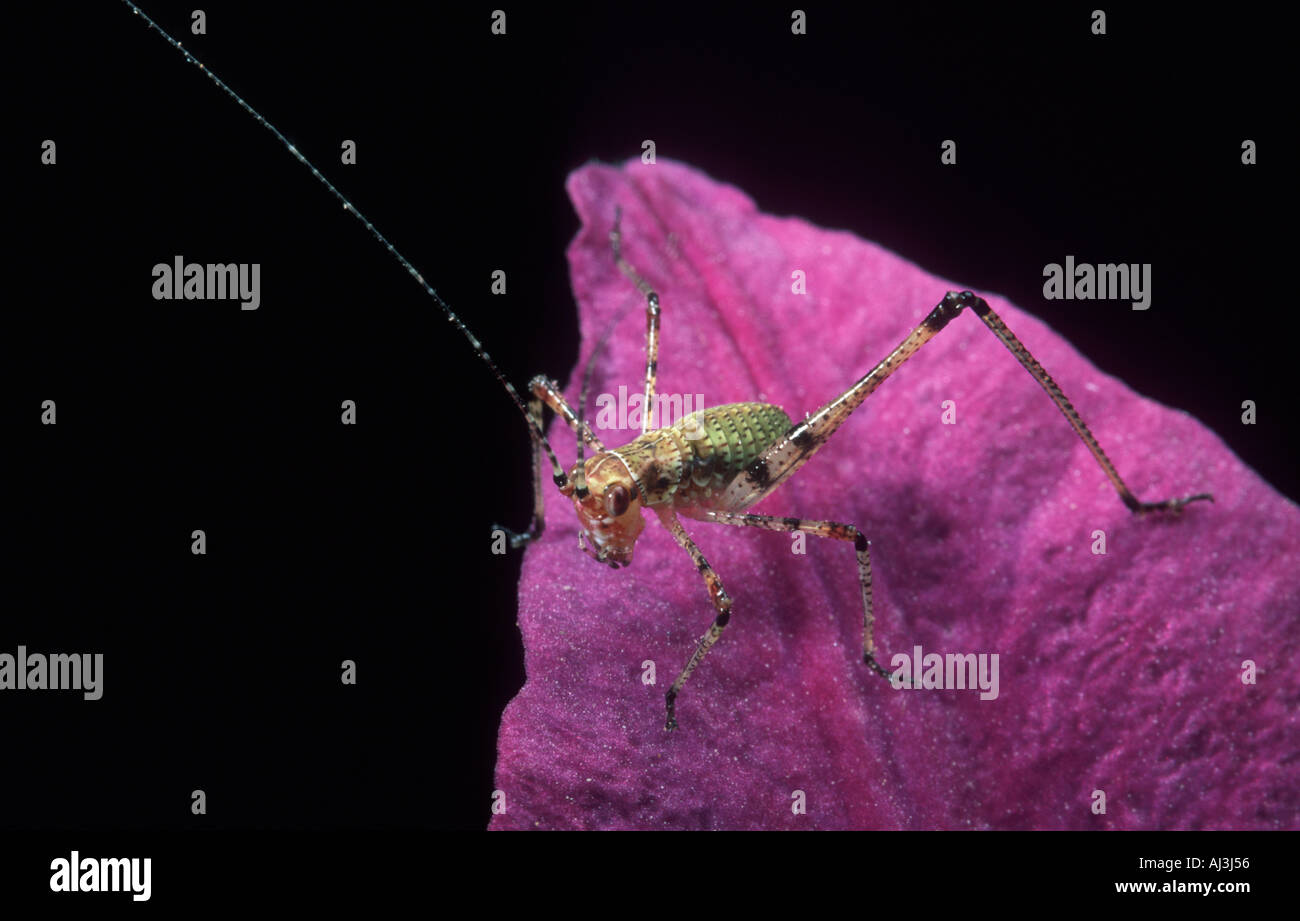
{"x":558,"y":472}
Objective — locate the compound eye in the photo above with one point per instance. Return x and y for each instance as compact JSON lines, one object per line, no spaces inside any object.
{"x":617,"y":499}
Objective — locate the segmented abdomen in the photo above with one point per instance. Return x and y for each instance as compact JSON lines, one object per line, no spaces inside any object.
{"x":691,"y":462}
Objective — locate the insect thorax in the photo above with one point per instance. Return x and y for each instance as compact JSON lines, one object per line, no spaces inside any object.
{"x":691,"y":462}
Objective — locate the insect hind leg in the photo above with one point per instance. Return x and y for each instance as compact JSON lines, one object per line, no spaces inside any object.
{"x":981,"y":309}
{"x":792,"y":450}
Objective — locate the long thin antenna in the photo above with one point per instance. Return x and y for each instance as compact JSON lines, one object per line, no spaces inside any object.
{"x":560,"y":478}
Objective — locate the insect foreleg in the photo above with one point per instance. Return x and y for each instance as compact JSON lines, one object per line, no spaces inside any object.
{"x":549,"y":393}
{"x":538,"y":524}
{"x":545,"y":392}
{"x":721,"y":602}
{"x":651,"y":319}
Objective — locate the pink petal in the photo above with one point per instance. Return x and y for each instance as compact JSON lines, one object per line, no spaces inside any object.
{"x":1118,"y":672}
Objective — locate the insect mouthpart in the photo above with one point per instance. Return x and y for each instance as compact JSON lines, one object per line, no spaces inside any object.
{"x":609,"y":516}
{"x":613,"y":558}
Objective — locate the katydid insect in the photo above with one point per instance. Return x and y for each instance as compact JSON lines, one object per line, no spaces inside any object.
{"x":715,"y":464}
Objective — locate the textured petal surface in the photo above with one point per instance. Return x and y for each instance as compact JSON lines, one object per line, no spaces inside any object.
{"x":1118,"y":672}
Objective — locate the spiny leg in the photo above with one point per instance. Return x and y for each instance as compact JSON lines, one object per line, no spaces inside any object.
{"x":545,"y":392}
{"x":538,"y":524}
{"x":580,"y":487}
{"x":717,"y":594}
{"x":836,"y":531}
{"x":549,"y":392}
{"x":651,"y":319}
{"x":982,"y":310}
{"x":797,"y":446}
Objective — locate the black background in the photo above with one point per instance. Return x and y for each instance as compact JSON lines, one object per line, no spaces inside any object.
{"x":371,"y":542}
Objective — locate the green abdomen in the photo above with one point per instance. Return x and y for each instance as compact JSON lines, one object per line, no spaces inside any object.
{"x":691,"y":462}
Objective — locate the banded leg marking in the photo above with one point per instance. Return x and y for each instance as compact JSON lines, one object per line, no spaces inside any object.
{"x":797,"y":446}
{"x":545,"y":392}
{"x":717,"y":594}
{"x":651,"y":319}
{"x":836,"y":531}
{"x":548,"y":391}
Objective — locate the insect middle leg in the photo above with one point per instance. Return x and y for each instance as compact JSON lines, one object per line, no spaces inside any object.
{"x":651,"y":319}
{"x":722,"y":602}
{"x":717,"y":594}
{"x":545,"y":391}
{"x":836,"y":531}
